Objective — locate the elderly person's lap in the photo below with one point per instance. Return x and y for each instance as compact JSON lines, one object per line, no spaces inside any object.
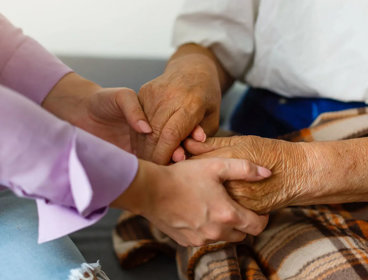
{"x":317,"y":242}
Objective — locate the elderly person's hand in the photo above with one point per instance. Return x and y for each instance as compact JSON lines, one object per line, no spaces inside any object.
{"x":109,"y":113}
{"x":183,"y":101}
{"x":303,"y":173}
{"x":288,"y":162}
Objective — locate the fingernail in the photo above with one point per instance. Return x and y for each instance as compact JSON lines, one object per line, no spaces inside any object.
{"x":144,"y":126}
{"x":180,"y":158}
{"x":200,"y":136}
{"x":204,"y":137}
{"x":264,"y":172}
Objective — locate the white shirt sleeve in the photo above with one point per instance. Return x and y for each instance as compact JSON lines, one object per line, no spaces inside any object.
{"x":224,"y":26}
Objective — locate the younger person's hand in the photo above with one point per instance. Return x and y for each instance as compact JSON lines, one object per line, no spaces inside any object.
{"x":108,"y":113}
{"x":189,"y":203}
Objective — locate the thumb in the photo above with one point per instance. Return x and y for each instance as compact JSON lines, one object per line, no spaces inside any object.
{"x":196,"y":148}
{"x":128,"y":102}
{"x":178,"y":155}
{"x":249,"y":221}
{"x":241,"y":169}
{"x":198,"y":134}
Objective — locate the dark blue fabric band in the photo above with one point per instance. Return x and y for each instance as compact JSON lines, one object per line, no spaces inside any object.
{"x":265,"y":113}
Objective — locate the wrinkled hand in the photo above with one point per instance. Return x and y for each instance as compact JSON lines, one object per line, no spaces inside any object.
{"x":286,"y":160}
{"x":186,"y":95}
{"x":109,"y":113}
{"x":189,"y":203}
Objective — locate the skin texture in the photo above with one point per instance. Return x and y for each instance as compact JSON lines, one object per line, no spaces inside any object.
{"x":189,"y":203}
{"x":284,"y":159}
{"x":303,"y":173}
{"x":188,"y":200}
{"x":185,"y":96}
{"x":108,"y":113}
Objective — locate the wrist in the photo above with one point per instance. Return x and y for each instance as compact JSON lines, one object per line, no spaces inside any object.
{"x":68,"y":97}
{"x":205,"y":59}
{"x":193,"y":62}
{"x":310,"y":175}
{"x":333,"y":173}
{"x":138,"y":197}
{"x":294,"y":166}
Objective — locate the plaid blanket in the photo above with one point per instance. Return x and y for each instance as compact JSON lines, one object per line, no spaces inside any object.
{"x":315,"y":242}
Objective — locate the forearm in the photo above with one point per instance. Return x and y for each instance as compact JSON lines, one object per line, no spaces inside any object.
{"x":340,"y":172}
{"x":206,"y":60}
{"x":68,"y":98}
{"x":59,"y":165}
{"x":136,"y":198}
{"x":302,"y":173}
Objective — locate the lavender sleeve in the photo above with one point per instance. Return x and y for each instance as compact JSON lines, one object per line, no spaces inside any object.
{"x":25,"y":66}
{"x":71,"y":174}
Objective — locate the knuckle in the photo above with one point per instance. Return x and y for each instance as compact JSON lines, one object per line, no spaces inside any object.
{"x":156,"y":130}
{"x":149,"y":91}
{"x":147,"y":87}
{"x":136,"y":111}
{"x":258,"y":229}
{"x":155,"y":87}
{"x":152,"y":139}
{"x":126,"y":90}
{"x":227,"y":216}
{"x":196,"y":102}
{"x":214,"y":234}
{"x":247,"y":167}
{"x":197,"y":242}
{"x":217,"y":166}
{"x":183,"y":244}
{"x":171,"y":134}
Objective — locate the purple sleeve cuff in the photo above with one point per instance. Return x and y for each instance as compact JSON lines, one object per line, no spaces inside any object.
{"x":97,"y":176}
{"x":72,"y":174}
{"x":55,"y":221}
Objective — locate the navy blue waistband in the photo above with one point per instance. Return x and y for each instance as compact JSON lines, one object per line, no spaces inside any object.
{"x":265,"y":113}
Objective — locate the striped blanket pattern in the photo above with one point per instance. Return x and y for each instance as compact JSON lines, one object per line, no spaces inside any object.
{"x":314,"y":242}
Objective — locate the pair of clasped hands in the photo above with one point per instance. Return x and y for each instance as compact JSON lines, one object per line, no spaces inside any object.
{"x":194,"y":201}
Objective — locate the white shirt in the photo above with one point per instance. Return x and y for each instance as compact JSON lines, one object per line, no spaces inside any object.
{"x":298,"y":48}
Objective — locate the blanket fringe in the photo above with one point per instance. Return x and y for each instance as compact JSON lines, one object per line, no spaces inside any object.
{"x":88,"y":271}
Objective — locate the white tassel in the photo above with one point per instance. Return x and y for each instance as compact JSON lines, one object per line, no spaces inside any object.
{"x":88,"y":271}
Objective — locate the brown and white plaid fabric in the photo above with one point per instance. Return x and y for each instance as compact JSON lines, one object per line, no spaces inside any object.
{"x":315,"y":242}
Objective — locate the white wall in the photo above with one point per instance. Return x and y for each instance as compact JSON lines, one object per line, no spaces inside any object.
{"x":137,"y":28}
